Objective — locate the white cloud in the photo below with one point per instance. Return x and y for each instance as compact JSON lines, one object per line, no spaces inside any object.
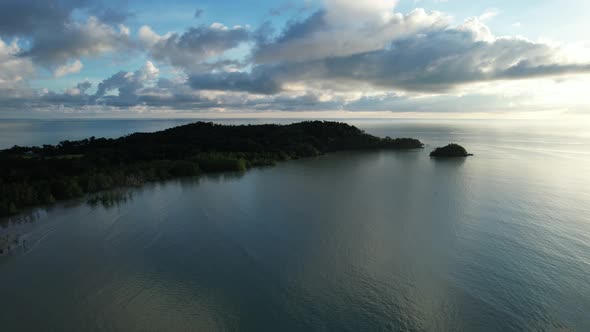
{"x":14,"y":70}
{"x":12,"y":67}
{"x":344,"y":12}
{"x":480,"y":31}
{"x":148,"y":72}
{"x":488,"y":15}
{"x":124,"y":30}
{"x":148,"y":37}
{"x":69,"y":68}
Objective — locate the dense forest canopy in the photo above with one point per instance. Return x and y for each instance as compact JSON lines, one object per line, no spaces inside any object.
{"x":40,"y":175}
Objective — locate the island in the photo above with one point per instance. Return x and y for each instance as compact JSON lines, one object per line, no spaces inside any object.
{"x":31,"y":176}
{"x":450,"y":151}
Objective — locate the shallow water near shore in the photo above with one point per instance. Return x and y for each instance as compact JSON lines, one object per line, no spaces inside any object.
{"x":363,"y":241}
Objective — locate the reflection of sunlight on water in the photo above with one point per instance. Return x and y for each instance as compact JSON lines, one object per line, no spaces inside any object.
{"x":556,"y":152}
{"x":531,"y":141}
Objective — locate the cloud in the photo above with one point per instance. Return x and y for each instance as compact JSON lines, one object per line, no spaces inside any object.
{"x":25,"y":18}
{"x":71,"y":97}
{"x":127,"y":84}
{"x":143,"y":88}
{"x":83,"y":86}
{"x":436,"y":59}
{"x":194,"y":46}
{"x":339,"y":12}
{"x":335,"y":31}
{"x":56,"y":37}
{"x":70,"y":68}
{"x":76,"y":40}
{"x":260,"y":81}
{"x":345,"y":56}
{"x":14,"y":74}
{"x":110,"y":15}
{"x":488,"y":15}
{"x":13,"y":69}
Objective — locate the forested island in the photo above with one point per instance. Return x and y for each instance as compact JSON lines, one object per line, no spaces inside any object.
{"x":450,"y":151}
{"x":32,"y":176}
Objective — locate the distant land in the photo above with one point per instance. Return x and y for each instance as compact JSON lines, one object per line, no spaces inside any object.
{"x":31,"y":176}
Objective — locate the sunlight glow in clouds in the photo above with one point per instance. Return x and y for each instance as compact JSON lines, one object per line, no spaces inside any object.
{"x":333,"y":57}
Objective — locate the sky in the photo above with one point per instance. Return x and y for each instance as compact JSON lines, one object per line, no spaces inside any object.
{"x":300,"y":58}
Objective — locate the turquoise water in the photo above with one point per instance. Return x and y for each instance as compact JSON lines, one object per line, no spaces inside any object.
{"x":373,"y":241}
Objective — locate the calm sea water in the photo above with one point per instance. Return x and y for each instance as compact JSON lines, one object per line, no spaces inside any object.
{"x":373,"y":241}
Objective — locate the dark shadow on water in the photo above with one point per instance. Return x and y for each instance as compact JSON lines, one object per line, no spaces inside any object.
{"x":447,"y":162}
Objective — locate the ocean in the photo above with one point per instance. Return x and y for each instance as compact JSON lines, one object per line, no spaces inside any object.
{"x":350,"y":241}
